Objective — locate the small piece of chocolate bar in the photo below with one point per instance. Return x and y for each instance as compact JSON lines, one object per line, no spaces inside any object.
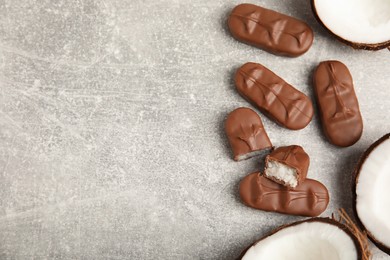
{"x":246,"y":134}
{"x":287,"y":165}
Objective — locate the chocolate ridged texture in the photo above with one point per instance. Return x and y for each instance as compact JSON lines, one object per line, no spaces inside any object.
{"x":293,"y":156}
{"x":308,"y":199}
{"x":337,"y":102}
{"x":269,"y":30}
{"x":246,"y":133}
{"x":273,"y":96}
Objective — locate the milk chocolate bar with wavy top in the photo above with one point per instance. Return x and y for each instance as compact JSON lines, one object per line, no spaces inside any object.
{"x":269,"y":30}
{"x":246,"y":133}
{"x":273,"y":96}
{"x":337,"y":102}
{"x":310,"y":198}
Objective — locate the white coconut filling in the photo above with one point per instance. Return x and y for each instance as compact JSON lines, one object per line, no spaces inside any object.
{"x":282,"y":172}
{"x":252,"y":154}
{"x":360,"y":21}
{"x":373,"y":193}
{"x":305,"y":241}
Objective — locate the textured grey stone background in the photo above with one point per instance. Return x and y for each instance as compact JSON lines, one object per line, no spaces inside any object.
{"x":111,"y":138}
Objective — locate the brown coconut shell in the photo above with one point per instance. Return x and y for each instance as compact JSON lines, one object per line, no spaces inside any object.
{"x":360,"y":243}
{"x":354,"y":195}
{"x":355,"y":45}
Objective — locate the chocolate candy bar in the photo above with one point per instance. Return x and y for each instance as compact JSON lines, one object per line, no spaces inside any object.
{"x":287,"y":165}
{"x":272,"y":31}
{"x":310,"y":198}
{"x":338,"y":106}
{"x":246,"y":133}
{"x":273,"y":96}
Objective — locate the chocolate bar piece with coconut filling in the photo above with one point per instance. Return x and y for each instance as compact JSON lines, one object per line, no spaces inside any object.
{"x":287,"y":165}
{"x":246,"y":134}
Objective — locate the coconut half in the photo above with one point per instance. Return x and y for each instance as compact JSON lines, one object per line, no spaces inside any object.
{"x":372,"y":192}
{"x":316,"y":238}
{"x":362,"y":24}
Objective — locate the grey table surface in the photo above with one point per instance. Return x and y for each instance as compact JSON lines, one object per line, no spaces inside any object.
{"x":111,"y":128}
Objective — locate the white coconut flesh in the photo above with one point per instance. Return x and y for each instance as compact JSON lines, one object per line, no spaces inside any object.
{"x":282,"y":172}
{"x":373,"y":193}
{"x":305,"y":241}
{"x":358,"y":21}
